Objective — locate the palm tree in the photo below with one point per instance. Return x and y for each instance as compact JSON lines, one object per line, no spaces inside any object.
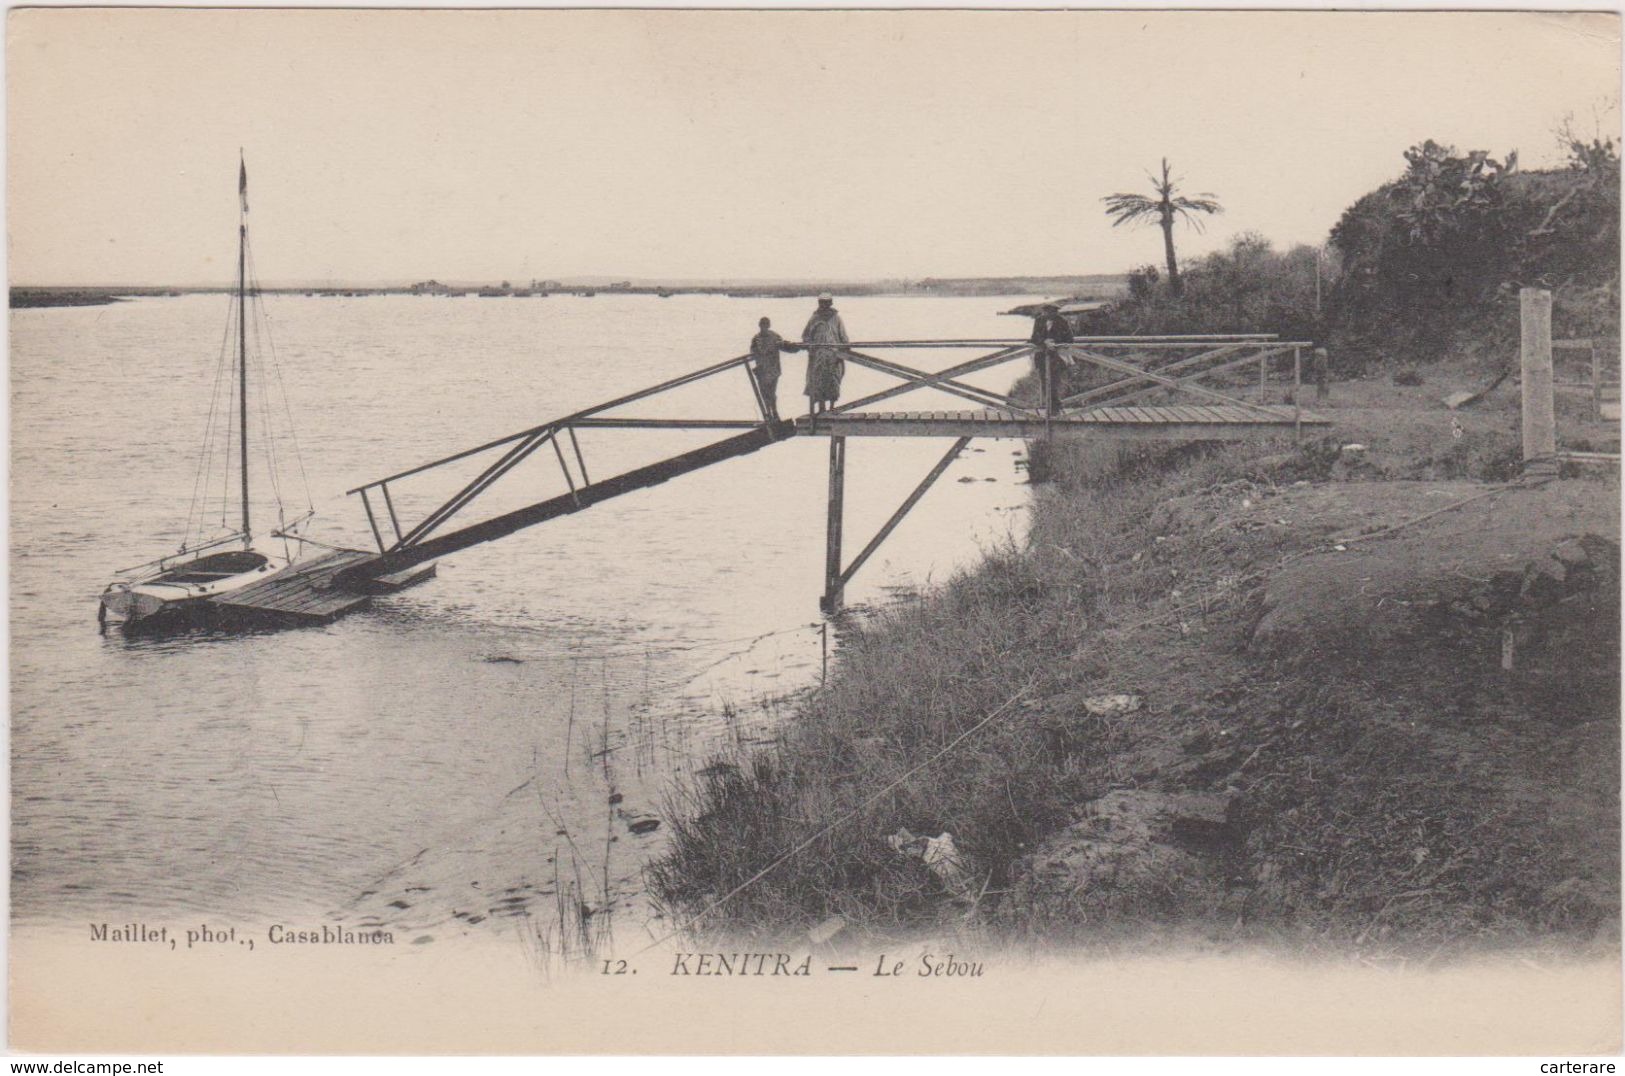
{"x":1168,"y":204}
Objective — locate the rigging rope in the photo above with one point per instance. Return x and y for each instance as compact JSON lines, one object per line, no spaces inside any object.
{"x":312,"y":541}
{"x":267,"y":433}
{"x":282,"y":388}
{"x":231,"y":427}
{"x":200,"y":481}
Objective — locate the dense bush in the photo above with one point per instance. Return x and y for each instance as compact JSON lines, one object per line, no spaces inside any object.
{"x":1435,"y":259}
{"x":1249,"y":287}
{"x":1423,"y":267}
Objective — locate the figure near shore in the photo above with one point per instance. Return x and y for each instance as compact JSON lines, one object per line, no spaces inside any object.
{"x":765,"y":348}
{"x":825,"y":361}
{"x":1049,"y":328}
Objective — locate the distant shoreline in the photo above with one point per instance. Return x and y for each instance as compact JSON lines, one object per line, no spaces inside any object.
{"x":1095,"y":288}
{"x":26,"y":297}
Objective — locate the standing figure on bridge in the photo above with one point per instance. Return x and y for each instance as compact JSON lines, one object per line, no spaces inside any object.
{"x":1049,"y":328}
{"x":825,"y":362}
{"x":765,"y":347}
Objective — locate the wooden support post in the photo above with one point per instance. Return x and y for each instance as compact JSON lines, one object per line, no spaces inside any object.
{"x":756,"y":391}
{"x":1535,"y":356}
{"x":389,"y":502}
{"x":833,"y":587}
{"x":1263,"y":376}
{"x":1297,"y":394}
{"x":1323,"y":373}
{"x":376,"y":536}
{"x":908,"y":503}
{"x":559,"y":452}
{"x":586,"y":480}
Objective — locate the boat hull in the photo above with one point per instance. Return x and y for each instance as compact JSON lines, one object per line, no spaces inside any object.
{"x":132,"y":611}
{"x":182,"y":594}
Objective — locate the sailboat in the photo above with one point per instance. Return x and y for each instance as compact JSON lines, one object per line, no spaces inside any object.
{"x":179,"y":589}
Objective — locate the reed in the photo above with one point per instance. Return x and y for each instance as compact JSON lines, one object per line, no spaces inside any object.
{"x":1142,"y":570}
{"x":907,"y":683}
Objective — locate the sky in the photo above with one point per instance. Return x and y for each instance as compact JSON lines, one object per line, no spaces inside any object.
{"x":391,"y":146}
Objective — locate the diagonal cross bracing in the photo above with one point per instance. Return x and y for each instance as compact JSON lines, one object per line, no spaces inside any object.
{"x":943,"y":382}
{"x":1167,"y":382}
{"x":1126,"y":382}
{"x":429,"y":538}
{"x":1244,"y":360}
{"x":926,"y":381}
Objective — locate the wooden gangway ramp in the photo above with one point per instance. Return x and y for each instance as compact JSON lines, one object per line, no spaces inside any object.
{"x":1171,"y":388}
{"x":1193,"y":422}
{"x":311,"y":592}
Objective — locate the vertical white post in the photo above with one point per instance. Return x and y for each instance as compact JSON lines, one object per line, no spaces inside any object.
{"x":1535,"y":354}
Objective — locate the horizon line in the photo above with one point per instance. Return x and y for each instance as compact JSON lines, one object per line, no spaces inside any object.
{"x":596,"y":280}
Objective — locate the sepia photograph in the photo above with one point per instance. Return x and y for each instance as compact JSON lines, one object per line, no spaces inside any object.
{"x":808,"y":532}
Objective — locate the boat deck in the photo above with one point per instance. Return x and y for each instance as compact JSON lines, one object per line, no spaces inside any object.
{"x":309,"y":592}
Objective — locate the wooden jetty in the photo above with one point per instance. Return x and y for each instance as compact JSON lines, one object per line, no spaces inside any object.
{"x":1196,"y":422}
{"x":1151,"y":388}
{"x":307,"y":593}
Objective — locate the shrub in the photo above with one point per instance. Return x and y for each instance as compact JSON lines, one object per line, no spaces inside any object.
{"x":1247,"y":288}
{"x":1424,"y":266}
{"x":1433,"y":261}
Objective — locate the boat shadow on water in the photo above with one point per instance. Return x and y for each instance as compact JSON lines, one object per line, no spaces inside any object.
{"x":205,"y":621}
{"x":204,"y":624}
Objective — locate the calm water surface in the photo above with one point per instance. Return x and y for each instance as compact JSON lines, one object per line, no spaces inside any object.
{"x":443,"y":763}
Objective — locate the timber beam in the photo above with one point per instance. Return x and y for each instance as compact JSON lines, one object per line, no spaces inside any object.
{"x":835,"y":578}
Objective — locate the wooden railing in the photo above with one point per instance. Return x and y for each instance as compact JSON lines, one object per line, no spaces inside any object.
{"x":1601,"y":359}
{"x":1168,"y":363}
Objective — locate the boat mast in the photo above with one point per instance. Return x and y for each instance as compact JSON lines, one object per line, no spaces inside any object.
{"x":242,"y":333}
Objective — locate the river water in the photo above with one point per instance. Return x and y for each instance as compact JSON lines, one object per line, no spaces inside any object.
{"x":469,"y":756}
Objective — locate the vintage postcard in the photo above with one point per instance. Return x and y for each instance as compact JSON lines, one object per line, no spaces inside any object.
{"x":814,"y":532}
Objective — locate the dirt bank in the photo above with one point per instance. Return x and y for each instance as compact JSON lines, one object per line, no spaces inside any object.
{"x":1351,"y":697}
{"x":1363,"y":761}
